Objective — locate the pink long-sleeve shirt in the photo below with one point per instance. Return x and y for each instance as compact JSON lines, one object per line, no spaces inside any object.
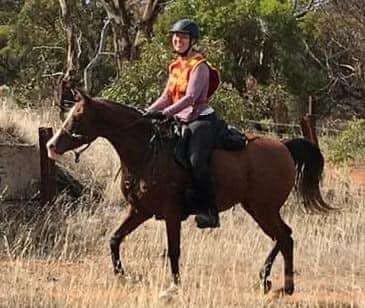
{"x":193,"y":103}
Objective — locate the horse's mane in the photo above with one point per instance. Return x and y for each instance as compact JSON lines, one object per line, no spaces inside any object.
{"x":103,"y":101}
{"x":118,"y":104}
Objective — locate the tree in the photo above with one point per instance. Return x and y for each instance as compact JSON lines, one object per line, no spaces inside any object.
{"x":73,"y":44}
{"x":128,"y":21}
{"x":336,"y":46}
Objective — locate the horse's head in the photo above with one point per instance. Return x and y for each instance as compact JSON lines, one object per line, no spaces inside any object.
{"x":78,"y":128}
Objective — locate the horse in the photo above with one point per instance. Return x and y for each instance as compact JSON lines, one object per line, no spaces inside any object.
{"x":259,"y":178}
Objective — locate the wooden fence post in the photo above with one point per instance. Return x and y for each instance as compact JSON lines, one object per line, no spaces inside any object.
{"x":48,"y":169}
{"x":308,"y":124}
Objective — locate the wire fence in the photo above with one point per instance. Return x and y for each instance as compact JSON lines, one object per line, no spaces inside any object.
{"x":291,"y":129}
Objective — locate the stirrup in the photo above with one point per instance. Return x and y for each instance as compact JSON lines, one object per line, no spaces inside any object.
{"x":207,"y":220}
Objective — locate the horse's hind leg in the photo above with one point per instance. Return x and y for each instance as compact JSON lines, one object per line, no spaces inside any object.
{"x":286,"y":247}
{"x":273,"y":225}
{"x":130,"y":223}
{"x":266,"y":269}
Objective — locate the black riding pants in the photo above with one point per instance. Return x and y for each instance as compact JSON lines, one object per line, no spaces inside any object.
{"x":202,"y":133}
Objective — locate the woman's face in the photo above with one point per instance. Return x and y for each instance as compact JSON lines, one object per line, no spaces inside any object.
{"x":180,"y":42}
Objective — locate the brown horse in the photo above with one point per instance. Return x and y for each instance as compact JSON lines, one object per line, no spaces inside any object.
{"x":260,"y":177}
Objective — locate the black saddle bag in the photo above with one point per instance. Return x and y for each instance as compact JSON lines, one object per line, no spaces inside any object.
{"x":230,"y":138}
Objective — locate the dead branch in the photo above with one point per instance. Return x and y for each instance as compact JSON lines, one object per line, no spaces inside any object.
{"x":304,"y":11}
{"x":48,"y":47}
{"x":100,"y":52}
{"x":73,"y":44}
{"x":121,"y":24}
{"x":312,"y":55}
{"x":150,"y":14}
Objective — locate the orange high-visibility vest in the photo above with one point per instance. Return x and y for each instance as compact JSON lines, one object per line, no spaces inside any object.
{"x":180,"y":71}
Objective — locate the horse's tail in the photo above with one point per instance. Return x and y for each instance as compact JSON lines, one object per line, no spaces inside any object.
{"x":309,"y":164}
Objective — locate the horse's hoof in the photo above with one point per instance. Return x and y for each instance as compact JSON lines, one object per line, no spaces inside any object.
{"x":289,"y":285}
{"x":267,"y":286}
{"x":289,"y":290}
{"x":118,"y":269}
{"x":118,"y":272}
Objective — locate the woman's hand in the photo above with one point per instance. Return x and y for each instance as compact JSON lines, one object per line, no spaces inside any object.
{"x":155,"y":115}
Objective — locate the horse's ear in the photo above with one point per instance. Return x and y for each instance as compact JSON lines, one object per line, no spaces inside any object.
{"x":80,"y":96}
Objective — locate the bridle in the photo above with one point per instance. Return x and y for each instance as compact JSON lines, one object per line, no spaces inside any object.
{"x":67,"y":103}
{"x":64,"y":105}
{"x":77,"y":137}
{"x":87,"y":140}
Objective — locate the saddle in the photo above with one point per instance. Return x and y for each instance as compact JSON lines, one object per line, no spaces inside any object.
{"x":177,"y":137}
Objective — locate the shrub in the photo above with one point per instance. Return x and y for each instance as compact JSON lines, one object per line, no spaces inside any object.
{"x":349,"y":145}
{"x":142,"y":81}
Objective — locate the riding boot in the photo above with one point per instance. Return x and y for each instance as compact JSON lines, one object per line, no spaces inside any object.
{"x":208,"y":217}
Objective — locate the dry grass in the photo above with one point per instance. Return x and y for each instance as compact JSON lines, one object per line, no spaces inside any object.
{"x":59,"y":256}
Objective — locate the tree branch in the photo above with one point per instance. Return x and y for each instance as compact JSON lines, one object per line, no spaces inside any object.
{"x":72,"y":41}
{"x":48,"y":47}
{"x":312,"y":55}
{"x":304,"y":11}
{"x":93,"y":62}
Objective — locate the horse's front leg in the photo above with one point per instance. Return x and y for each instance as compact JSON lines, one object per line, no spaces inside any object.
{"x":173,"y":228}
{"x":131,"y":222}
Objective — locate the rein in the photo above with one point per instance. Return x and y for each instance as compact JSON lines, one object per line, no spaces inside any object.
{"x":88,"y":144}
{"x":154,"y":144}
{"x":64,"y":105}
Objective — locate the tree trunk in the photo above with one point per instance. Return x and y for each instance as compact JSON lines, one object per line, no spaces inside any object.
{"x":127,"y":29}
{"x":120,"y":24}
{"x":73,"y":46}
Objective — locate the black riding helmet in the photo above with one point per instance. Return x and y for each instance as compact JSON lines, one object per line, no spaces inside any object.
{"x":186,"y":26}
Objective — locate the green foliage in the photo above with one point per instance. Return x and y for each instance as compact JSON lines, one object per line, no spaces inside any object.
{"x":230,"y":105}
{"x":33,"y":23}
{"x":334,"y":38}
{"x":5,"y":32}
{"x":270,"y":7}
{"x":8,"y":59}
{"x":142,"y":81}
{"x":37,"y":46}
{"x":273,"y":97}
{"x":242,"y":38}
{"x":349,"y":145}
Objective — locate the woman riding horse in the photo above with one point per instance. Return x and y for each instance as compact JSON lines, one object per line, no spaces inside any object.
{"x":259,"y":178}
{"x":185,"y":98}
